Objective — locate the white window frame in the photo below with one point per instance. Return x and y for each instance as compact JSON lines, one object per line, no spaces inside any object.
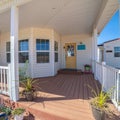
{"x":23,"y":51}
{"x":42,"y":51}
{"x":56,"y":51}
{"x":116,"y":51}
{"x":8,"y":52}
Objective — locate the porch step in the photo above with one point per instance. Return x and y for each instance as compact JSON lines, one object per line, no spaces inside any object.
{"x":35,"y":112}
{"x":70,"y":71}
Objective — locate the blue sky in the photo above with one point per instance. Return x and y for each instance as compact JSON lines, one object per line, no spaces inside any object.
{"x":111,"y":30}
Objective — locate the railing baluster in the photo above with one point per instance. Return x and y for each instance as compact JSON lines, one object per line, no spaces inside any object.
{"x":7,"y":81}
{"x":1,"y":80}
{"x":4,"y":80}
{"x":109,"y":77}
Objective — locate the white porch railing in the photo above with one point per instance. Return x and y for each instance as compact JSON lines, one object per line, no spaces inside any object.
{"x":4,"y":80}
{"x":109,"y":77}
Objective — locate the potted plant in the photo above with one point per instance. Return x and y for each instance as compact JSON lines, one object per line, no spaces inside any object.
{"x":87,"y":68}
{"x":18,"y":113}
{"x":27,"y":83}
{"x":4,"y":112}
{"x":99,"y":103}
{"x":29,"y":91}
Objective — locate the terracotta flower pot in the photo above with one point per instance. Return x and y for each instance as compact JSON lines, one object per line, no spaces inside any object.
{"x":98,"y":114}
{"x":29,"y":96}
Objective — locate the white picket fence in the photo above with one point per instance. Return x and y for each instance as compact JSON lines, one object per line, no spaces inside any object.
{"x":109,"y":77}
{"x":4,"y":80}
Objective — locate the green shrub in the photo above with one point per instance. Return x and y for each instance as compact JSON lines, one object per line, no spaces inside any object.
{"x":18,"y":111}
{"x":5,"y":109}
{"x":100,"y":98}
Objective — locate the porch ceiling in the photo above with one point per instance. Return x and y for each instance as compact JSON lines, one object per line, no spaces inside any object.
{"x":65,"y":16}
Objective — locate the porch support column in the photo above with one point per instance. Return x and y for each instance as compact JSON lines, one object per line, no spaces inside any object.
{"x":94,"y":51}
{"x":14,"y":54}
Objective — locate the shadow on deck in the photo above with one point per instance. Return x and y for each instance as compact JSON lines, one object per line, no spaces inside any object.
{"x":63,"y":97}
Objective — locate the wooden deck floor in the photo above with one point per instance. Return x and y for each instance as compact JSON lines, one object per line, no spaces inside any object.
{"x":64,"y":96}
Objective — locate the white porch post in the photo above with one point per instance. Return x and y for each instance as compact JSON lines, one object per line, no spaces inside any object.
{"x":14,"y":54}
{"x":94,"y":50}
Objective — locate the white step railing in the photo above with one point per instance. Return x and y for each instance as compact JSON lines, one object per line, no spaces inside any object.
{"x":109,"y":77}
{"x":4,"y":80}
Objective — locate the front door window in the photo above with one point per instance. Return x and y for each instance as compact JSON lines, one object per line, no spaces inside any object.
{"x":70,"y":55}
{"x":70,"y":50}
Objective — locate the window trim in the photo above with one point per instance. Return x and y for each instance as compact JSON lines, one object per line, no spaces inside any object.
{"x":8,"y":52}
{"x":23,"y":51}
{"x":116,"y":51}
{"x":38,"y":51}
{"x":56,"y":51}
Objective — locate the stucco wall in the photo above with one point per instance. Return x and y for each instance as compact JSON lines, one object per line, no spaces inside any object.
{"x":109,"y":56}
{"x":83,"y":56}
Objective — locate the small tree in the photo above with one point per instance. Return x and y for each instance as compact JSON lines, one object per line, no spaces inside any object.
{"x":23,"y":75}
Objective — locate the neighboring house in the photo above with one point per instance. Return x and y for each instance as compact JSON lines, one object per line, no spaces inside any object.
{"x":51,"y":35}
{"x":109,"y":52}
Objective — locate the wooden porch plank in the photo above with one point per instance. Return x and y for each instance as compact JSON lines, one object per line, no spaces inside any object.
{"x":65,"y":96}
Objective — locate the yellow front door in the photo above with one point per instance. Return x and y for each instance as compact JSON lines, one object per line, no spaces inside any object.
{"x":70,"y":51}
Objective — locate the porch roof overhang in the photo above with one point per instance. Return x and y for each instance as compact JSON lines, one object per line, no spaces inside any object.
{"x":65,"y":16}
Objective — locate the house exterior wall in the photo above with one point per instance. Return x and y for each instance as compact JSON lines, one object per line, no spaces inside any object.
{"x":109,"y":56}
{"x":57,"y":38}
{"x":48,"y":69}
{"x":42,"y":69}
{"x":83,"y":56}
{"x":34,"y":69}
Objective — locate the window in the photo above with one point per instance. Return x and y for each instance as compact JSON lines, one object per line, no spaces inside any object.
{"x":8,"y":56}
{"x":56,"y":51}
{"x":116,"y":51}
{"x":23,"y":51}
{"x":42,"y":50}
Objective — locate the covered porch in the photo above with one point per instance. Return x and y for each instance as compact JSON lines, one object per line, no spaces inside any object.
{"x":64,"y":97}
{"x":66,"y":22}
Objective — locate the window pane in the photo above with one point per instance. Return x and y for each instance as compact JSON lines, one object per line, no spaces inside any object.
{"x":56,"y":57}
{"x":42,"y":44}
{"x":117,"y":49}
{"x":42,"y":57}
{"x":55,"y":46}
{"x":8,"y":57}
{"x":47,"y":47}
{"x":23,"y":57}
{"x":117,"y":54}
{"x":8,"y":46}
{"x":42,"y":47}
{"x":23,"y":45}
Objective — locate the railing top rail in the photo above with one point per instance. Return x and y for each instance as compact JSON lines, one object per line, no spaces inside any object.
{"x":109,"y":67}
{"x":3,"y":67}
